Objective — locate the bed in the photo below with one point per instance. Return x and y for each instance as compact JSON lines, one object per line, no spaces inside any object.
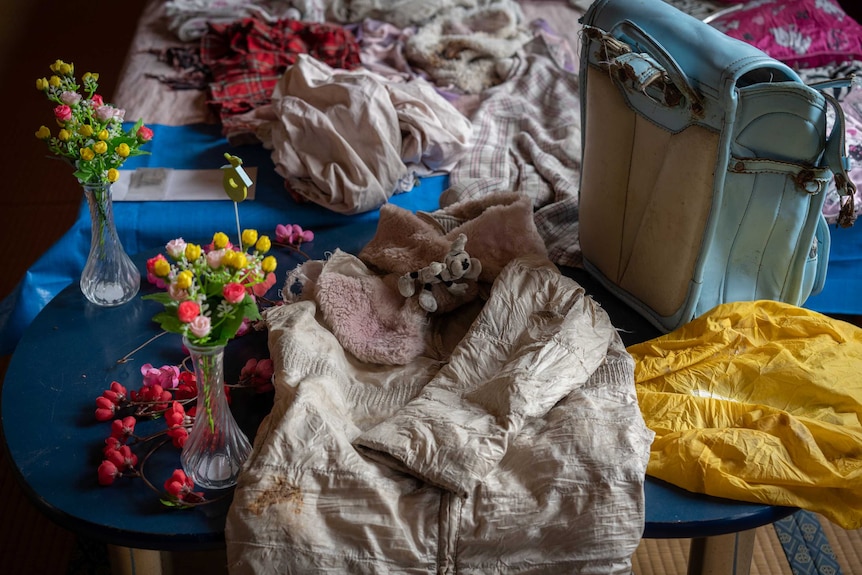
{"x":378,"y":454}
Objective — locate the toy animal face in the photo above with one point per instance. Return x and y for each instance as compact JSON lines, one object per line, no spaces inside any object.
{"x":459,"y":264}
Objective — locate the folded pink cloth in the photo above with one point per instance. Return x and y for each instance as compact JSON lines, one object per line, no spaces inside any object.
{"x":359,"y":299}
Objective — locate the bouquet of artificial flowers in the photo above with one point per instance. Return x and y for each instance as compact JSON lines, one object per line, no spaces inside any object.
{"x":90,"y":135}
{"x":209,"y":290}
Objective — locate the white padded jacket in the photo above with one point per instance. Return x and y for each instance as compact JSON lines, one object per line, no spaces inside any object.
{"x":514,"y":445}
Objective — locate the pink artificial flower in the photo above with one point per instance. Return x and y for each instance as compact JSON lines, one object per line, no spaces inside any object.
{"x":167,"y":376}
{"x":188,"y":310}
{"x":111,"y":444}
{"x":105,"y":409}
{"x":259,"y":373}
{"x":154,"y":394}
{"x":210,"y":247}
{"x":175,"y":415}
{"x":292,"y":234}
{"x":108,"y":472}
{"x":122,"y":458}
{"x":123,"y":428}
{"x":214,"y":258}
{"x":247,"y":370}
{"x":179,"y":436}
{"x":151,"y":276}
{"x":261,"y":288}
{"x":233,"y":292}
{"x":63,"y":113}
{"x":97,"y":100}
{"x":200,"y":326}
{"x":117,"y":393}
{"x":176,"y":248}
{"x":104,"y":112}
{"x":244,"y":327}
{"x":180,"y":486}
{"x":187,"y":388}
{"x":282,"y":233}
{"x":70,"y":98}
{"x":177,"y":294}
{"x":145,"y":134}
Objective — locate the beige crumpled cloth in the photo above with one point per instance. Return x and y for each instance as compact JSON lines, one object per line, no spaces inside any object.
{"x":349,"y":140}
{"x":758,"y":401}
{"x":513,"y":444}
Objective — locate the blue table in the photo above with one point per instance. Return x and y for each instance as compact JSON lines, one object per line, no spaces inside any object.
{"x":145,"y":226}
{"x":69,"y":354}
{"x":721,"y":530}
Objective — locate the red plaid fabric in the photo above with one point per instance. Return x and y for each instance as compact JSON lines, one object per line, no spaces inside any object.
{"x":246,"y":58}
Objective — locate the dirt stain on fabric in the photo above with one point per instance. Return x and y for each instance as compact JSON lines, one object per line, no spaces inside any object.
{"x":279,"y":492}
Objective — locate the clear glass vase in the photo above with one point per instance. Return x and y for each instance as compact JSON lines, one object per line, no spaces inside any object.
{"x":110,"y":278}
{"x":216,"y":447}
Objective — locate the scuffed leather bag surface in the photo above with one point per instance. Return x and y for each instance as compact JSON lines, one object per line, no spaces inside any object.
{"x":705,"y":165}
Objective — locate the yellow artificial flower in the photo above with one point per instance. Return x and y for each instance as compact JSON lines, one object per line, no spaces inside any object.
{"x":263,"y":244}
{"x":249,"y":237}
{"x":220,"y":240}
{"x":89,"y":131}
{"x":184,"y":279}
{"x":238,"y":261}
{"x":193,"y":252}
{"x":268,"y":264}
{"x":161,"y":268}
{"x":61,"y":67}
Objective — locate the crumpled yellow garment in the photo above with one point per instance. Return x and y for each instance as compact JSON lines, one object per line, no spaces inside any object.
{"x":758,"y":401}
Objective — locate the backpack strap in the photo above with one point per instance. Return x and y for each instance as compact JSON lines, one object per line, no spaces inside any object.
{"x":835,"y":155}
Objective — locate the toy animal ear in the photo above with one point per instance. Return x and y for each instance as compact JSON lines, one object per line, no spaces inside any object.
{"x":406,"y":286}
{"x":459,"y":243}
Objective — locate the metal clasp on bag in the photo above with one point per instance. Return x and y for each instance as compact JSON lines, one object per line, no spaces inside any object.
{"x":807,"y":181}
{"x":811,"y":181}
{"x":639,"y":70}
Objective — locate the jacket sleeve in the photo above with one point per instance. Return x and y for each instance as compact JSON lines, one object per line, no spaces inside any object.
{"x":538,"y":338}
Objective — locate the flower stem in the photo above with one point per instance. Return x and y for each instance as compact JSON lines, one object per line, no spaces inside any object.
{"x":129,"y":355}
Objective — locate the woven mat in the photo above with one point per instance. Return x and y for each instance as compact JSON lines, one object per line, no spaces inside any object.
{"x":808,"y":537}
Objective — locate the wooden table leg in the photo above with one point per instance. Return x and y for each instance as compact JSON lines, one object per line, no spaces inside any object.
{"x":722,"y":554}
{"x":129,"y":561}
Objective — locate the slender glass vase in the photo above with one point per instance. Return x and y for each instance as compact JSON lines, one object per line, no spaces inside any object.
{"x":110,"y":278}
{"x":216,"y":447}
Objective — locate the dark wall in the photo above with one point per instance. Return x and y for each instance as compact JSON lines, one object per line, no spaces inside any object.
{"x":853,"y":8}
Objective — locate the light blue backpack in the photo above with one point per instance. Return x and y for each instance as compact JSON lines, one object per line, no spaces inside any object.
{"x":705,"y":165}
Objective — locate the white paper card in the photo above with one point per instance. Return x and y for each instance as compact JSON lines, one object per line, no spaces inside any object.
{"x":170,"y":185}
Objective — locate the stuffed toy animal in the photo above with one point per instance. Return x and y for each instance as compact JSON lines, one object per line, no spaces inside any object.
{"x":457,"y":265}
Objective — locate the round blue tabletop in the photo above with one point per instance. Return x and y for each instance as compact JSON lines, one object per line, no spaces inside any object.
{"x":73,"y":350}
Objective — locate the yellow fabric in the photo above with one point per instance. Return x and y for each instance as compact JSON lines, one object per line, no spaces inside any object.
{"x":758,"y":401}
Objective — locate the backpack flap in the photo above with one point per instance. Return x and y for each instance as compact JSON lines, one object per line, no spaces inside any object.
{"x":693,"y":190}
